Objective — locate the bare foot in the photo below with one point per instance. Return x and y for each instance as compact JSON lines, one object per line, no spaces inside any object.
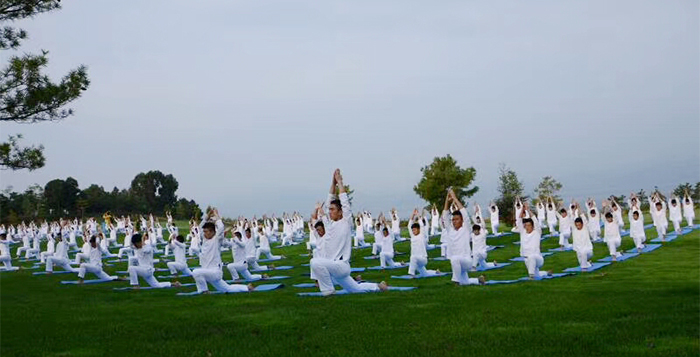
{"x":81,"y":281}
{"x":482,"y":280}
{"x":614,"y":258}
{"x":265,"y":276}
{"x":531,"y":277}
{"x":206,"y":292}
{"x":550,"y":272}
{"x":251,"y":287}
{"x":272,"y":267}
{"x":383,"y":286}
{"x":358,"y":277}
{"x":49,"y":272}
{"x":135,"y":287}
{"x":176,"y":284}
{"x":495,"y":262}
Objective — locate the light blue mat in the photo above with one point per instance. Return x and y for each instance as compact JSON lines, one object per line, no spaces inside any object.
{"x":269,"y":260}
{"x":521,"y":259}
{"x":131,"y":288}
{"x":496,"y":282}
{"x":411,"y":277}
{"x":494,"y":247}
{"x":621,"y":258}
{"x":497,"y":266}
{"x":155,"y":270}
{"x":284,"y":267}
{"x":594,"y":266}
{"x":648,"y":248}
{"x":503,"y":234}
{"x":96,"y":281}
{"x":259,"y":288}
{"x":54,"y":273}
{"x":305,"y":285}
{"x":554,"y":250}
{"x":439,"y":259}
{"x":280,"y":277}
{"x":345,"y":292}
{"x":669,"y":238}
{"x":389,"y":268}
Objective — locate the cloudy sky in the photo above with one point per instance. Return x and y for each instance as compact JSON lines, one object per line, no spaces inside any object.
{"x":252,"y":104}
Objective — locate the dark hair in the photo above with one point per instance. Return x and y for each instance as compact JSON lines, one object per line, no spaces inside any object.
{"x":592,"y":211}
{"x":93,"y":239}
{"x":319,"y":224}
{"x":180,"y":238}
{"x":136,"y":238}
{"x":528,"y":220}
{"x":476,"y":227}
{"x":562,"y":211}
{"x":457,"y":213}
{"x":209,"y":225}
{"x":247,"y":230}
{"x":659,"y":204}
{"x":635,"y":212}
{"x":337,"y":203}
{"x":608,"y":215}
{"x":237,"y":234}
{"x":415,"y":225}
{"x":386,"y":230}
{"x":578,"y":220}
{"x":673,"y":201}
{"x":378,"y":225}
{"x":3,"y":236}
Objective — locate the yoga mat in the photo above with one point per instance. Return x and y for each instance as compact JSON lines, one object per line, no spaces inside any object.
{"x":521,"y":259}
{"x":304,"y":255}
{"x":118,"y":260}
{"x":497,"y":266}
{"x":648,"y":226}
{"x":345,"y":292}
{"x":594,"y":266}
{"x":372,"y":257}
{"x":283,"y":267}
{"x":648,"y":248}
{"x":411,"y":277}
{"x":389,"y":268}
{"x":96,"y":281}
{"x":305,"y":285}
{"x":621,"y":258}
{"x":553,"y":276}
{"x":669,"y":238}
{"x":269,"y":260}
{"x":496,"y":282}
{"x":499,"y":235}
{"x":172,"y":276}
{"x":686,"y":230}
{"x":254,"y":280}
{"x":11,"y":269}
{"x":259,"y":288}
{"x":362,"y":246}
{"x":27,"y":260}
{"x":155,"y":270}
{"x":554,"y":250}
{"x":306,"y":265}
{"x":54,"y":273}
{"x":431,"y":247}
{"x":128,"y":288}
{"x":494,"y":247}
{"x":357,"y":270}
{"x":439,"y":259}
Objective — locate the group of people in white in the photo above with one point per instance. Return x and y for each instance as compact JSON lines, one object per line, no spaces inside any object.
{"x":462,"y":235}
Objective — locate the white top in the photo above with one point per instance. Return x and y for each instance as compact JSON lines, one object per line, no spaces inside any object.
{"x":418,"y":243}
{"x":612,"y":230}
{"x":581,"y":237}
{"x":178,"y":251}
{"x":479,"y":242}
{"x":239,"y":255}
{"x":338,"y":237}
{"x":144,"y":255}
{"x":210,"y":256}
{"x":636,"y":226}
{"x":529,"y":242}
{"x":458,"y":239}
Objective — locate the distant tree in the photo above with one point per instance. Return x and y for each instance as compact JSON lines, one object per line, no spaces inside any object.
{"x":682,"y":189}
{"x":549,"y":187}
{"x":26,"y":94}
{"x":509,"y":188}
{"x":442,"y":174}
{"x":155,"y":190}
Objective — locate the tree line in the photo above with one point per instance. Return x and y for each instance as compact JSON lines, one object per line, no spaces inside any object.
{"x":150,"y":192}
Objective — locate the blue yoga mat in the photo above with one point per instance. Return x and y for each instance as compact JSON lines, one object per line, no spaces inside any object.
{"x":259,"y":288}
{"x":284,"y":267}
{"x":362,"y":246}
{"x":305,"y":285}
{"x":304,"y":255}
{"x":621,"y":258}
{"x":499,"y":235}
{"x":129,"y":288}
{"x":594,"y":266}
{"x":648,"y":248}
{"x":439,"y":259}
{"x":497,"y":266}
{"x":648,"y":226}
{"x":280,"y":277}
{"x":389,"y":268}
{"x":345,"y":292}
{"x":155,"y":270}
{"x":494,"y":247}
{"x":553,"y":276}
{"x":96,"y":281}
{"x":686,"y":230}
{"x":54,"y":273}
{"x":411,"y":277}
{"x":357,"y":270}
{"x":269,"y":260}
{"x":3,"y":269}
{"x":554,"y":250}
{"x":497,"y":282}
{"x":431,"y":247}
{"x":118,"y":260}
{"x":371,"y":257}
{"x":521,"y":259}
{"x":669,"y":238}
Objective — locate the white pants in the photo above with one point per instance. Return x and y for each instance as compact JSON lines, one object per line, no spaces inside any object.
{"x":64,"y":263}
{"x":43,"y":256}
{"x":7,"y":260}
{"x":595,"y":234}
{"x":533,"y":264}
{"x":147,"y":274}
{"x":359,"y":240}
{"x":253,"y":263}
{"x":552,"y":229}
{"x":326,"y":271}
{"x":126,"y":250}
{"x":32,"y":252}
{"x":564,"y":239}
{"x":479,"y":261}
{"x":194,"y":250}
{"x":638,"y":240}
{"x":376,"y":248}
{"x":309,"y":246}
{"x":202,"y":276}
{"x":689,"y":219}
{"x":443,"y":249}
{"x":661,"y":229}
{"x":460,"y":269}
{"x":433,"y":230}
{"x":176,"y":267}
{"x":268,"y":253}
{"x":419,"y":263}
{"x":583,"y":257}
{"x":21,"y":250}
{"x":79,"y":256}
{"x":494,"y":228}
{"x":386,"y":259}
{"x":677,"y":225}
{"x":95,"y":269}
{"x":613,"y":244}
{"x":242,"y":269}
{"x":287,"y":239}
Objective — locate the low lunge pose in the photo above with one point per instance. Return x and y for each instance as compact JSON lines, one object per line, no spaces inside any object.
{"x":334,"y":265}
{"x":459,"y":251}
{"x":60,"y":256}
{"x":657,"y":206}
{"x":177,"y":245}
{"x":611,"y":235}
{"x":95,"y":262}
{"x":582,"y":240}
{"x":675,"y":214}
{"x":637,"y":227}
{"x":419,"y":255}
{"x":144,"y":254}
{"x":688,"y":209}
{"x":530,"y":236}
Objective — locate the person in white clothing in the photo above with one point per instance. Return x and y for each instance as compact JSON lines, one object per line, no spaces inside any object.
{"x":688,"y":209}
{"x":657,"y":206}
{"x":386,"y":256}
{"x":459,"y":251}
{"x":334,"y":264}
{"x":5,"y":256}
{"x":50,"y":249}
{"x":144,"y":254}
{"x":564,"y":229}
{"x":94,"y":264}
{"x":210,"y":258}
{"x":675,"y":214}
{"x":530,"y":235}
{"x":612,"y":235}
{"x":264,"y":245}
{"x":377,"y":245}
{"x":177,"y":245}
{"x":582,"y":242}
{"x":637,"y":228}
{"x":480,"y":249}
{"x":552,"y":216}
{"x":493,"y":216}
{"x":593,"y":221}
{"x":419,"y":255}
{"x":434,"y":221}
{"x":359,"y":233}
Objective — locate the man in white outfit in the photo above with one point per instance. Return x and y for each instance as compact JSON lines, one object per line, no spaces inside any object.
{"x":94,"y":264}
{"x":530,"y":235}
{"x":145,"y":269}
{"x":177,"y":245}
{"x":335,"y":266}
{"x":458,"y":236}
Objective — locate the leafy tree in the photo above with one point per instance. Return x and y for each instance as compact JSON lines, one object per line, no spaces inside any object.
{"x":509,"y":188}
{"x":682,"y":189}
{"x":155,"y":189}
{"x":27,"y":95}
{"x":442,"y":174}
{"x":549,"y":187}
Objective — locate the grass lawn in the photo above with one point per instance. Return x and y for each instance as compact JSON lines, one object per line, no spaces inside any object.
{"x":649,"y":305}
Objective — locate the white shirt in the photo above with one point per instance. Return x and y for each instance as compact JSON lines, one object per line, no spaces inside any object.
{"x":529,"y":242}
{"x":612,"y":230}
{"x":479,"y":242}
{"x":145,"y":255}
{"x":458,"y":239}
{"x":581,"y":237}
{"x":387,"y":244}
{"x":636,"y":226}
{"x":338,"y":237}
{"x":418,"y":244}
{"x":210,"y":256}
{"x":178,"y":251}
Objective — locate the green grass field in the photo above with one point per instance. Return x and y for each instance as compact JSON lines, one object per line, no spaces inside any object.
{"x":649,"y":305}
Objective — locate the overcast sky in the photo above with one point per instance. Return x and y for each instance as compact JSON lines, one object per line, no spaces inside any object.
{"x":252,"y":104}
